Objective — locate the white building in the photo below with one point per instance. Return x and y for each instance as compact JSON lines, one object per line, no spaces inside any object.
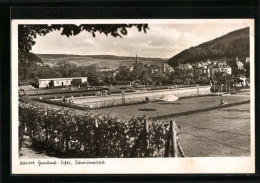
{"x":185,"y":67}
{"x":56,"y":82}
{"x":221,"y":66}
{"x":239,"y":64}
{"x":167,"y":68}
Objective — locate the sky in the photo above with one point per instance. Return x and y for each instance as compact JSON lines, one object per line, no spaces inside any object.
{"x":160,"y":41}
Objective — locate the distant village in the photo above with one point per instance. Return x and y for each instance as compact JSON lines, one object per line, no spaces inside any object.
{"x":211,"y":67}
{"x":184,"y":73}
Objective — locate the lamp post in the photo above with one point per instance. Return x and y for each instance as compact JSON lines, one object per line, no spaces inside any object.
{"x":226,"y":85}
{"x":214,"y":86}
{"x":229,"y":87}
{"x":214,"y":83}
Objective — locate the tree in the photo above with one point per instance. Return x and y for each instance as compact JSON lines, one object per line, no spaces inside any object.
{"x":224,"y":78}
{"x":29,"y":60}
{"x":123,"y":73}
{"x":65,"y":68}
{"x":147,"y":78}
{"x":247,"y":68}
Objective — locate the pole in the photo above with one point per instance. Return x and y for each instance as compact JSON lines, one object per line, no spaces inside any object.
{"x":146,"y":139}
{"x":123,"y":98}
{"x":173,"y":139}
{"x":167,"y":145}
{"x":96,"y":138}
{"x":226,"y":85}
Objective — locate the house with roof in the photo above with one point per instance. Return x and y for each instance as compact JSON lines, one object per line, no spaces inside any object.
{"x":209,"y":67}
{"x":167,"y":68}
{"x":221,"y":66}
{"x":185,"y":67}
{"x":61,"y":82}
{"x":202,"y":67}
{"x":238,"y":65}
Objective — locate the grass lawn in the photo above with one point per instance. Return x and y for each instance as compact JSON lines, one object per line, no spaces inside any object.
{"x":163,"y":108}
{"x":223,"y":132}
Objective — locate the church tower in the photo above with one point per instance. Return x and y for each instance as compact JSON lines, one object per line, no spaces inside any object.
{"x":136,"y":59}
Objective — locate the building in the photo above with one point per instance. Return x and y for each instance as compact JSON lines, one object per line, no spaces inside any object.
{"x":221,"y":66}
{"x":202,"y":67}
{"x":167,"y":68}
{"x":185,"y":67}
{"x":61,"y":82}
{"x":239,"y":65}
{"x":247,"y":59}
{"x":209,"y":68}
{"x":106,"y":70}
{"x":236,"y":66}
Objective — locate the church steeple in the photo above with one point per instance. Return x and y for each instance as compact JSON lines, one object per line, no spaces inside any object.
{"x":136,"y":59}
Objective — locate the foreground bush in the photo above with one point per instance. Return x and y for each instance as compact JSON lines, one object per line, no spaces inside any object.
{"x":65,"y":132}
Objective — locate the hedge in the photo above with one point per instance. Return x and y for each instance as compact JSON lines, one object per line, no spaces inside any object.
{"x":74,"y":106}
{"x":65,"y":132}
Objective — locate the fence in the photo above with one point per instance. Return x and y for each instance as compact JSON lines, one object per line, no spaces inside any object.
{"x":64,"y":132}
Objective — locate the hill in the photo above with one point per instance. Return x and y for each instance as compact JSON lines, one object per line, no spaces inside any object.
{"x":233,"y":44}
{"x":102,"y":61}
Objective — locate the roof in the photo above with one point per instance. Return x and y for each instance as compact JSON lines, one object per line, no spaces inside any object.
{"x":187,"y":65}
{"x":221,"y":65}
{"x":211,"y":65}
{"x":47,"y":79}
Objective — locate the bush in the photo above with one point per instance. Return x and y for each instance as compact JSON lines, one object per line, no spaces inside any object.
{"x":102,"y":136}
{"x":74,"y":106}
{"x":24,"y":99}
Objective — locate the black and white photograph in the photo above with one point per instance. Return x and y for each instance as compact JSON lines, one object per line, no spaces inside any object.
{"x":133,"y":96}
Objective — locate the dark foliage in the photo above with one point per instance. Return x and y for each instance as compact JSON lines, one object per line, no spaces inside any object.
{"x":233,"y":44}
{"x":65,"y":132}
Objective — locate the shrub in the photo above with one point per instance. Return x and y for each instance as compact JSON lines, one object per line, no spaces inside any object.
{"x":24,"y":99}
{"x":91,"y":135}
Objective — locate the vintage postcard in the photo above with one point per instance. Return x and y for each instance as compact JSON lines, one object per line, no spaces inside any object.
{"x":133,"y":96}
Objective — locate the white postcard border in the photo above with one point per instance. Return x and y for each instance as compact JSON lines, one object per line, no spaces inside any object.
{"x":130,"y":165}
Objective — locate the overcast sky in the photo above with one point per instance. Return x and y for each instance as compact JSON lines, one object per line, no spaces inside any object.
{"x":161,"y":40}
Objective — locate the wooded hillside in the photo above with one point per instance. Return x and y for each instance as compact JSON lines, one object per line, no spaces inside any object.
{"x":233,"y":44}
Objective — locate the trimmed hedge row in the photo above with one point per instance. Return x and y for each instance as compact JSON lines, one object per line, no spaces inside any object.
{"x":62,"y":104}
{"x":198,"y":110}
{"x":65,"y":132}
{"x":74,"y":106}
